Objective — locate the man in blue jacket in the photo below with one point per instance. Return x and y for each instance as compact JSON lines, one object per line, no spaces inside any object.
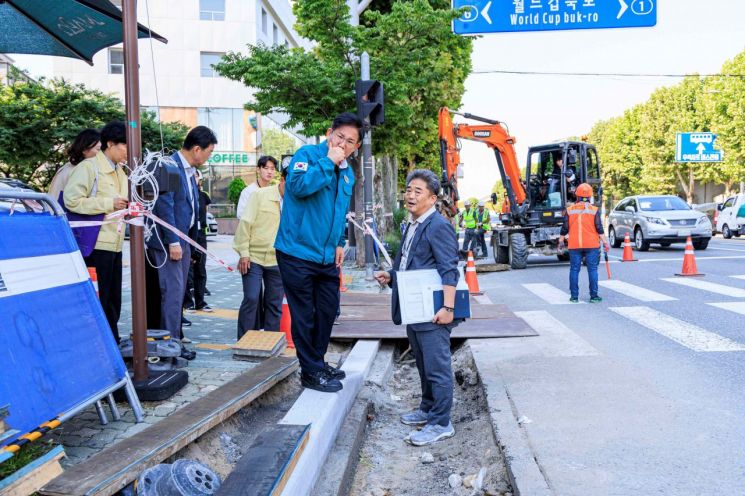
{"x":429,"y":242}
{"x":310,"y":244}
{"x":180,"y":208}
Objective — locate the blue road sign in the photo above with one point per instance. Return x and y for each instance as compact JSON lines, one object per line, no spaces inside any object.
{"x":696,"y":147}
{"x":499,"y":16}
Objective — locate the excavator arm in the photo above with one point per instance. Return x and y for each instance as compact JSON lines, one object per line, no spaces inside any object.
{"x":495,"y":135}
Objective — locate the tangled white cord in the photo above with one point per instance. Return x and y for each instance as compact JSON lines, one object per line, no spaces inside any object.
{"x":143,"y":175}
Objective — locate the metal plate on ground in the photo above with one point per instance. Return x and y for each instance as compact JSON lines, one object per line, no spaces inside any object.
{"x":375,"y":299}
{"x":504,"y":327}
{"x":354,"y":313}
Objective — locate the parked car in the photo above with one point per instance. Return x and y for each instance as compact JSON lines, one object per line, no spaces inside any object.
{"x":712,"y":212}
{"x":659,"y":219}
{"x":7,"y":183}
{"x":727,"y":223}
{"x":211,"y":225}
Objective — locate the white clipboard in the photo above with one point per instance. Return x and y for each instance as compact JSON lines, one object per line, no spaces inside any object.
{"x":416,"y":293}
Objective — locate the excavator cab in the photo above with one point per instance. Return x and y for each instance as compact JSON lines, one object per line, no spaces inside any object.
{"x":553,"y":173}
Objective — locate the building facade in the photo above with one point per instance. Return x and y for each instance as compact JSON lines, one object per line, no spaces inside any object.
{"x":178,"y":81}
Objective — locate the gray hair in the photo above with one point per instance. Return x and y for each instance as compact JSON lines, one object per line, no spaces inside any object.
{"x":429,"y":178}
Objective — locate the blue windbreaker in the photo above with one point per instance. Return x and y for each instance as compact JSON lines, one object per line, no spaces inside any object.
{"x":315,"y":206}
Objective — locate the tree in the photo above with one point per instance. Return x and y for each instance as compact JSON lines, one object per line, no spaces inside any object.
{"x":235,"y":188}
{"x":276,"y":143}
{"x":38,"y":121}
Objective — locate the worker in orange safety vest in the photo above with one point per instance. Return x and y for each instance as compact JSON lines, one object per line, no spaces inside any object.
{"x":584,"y":226}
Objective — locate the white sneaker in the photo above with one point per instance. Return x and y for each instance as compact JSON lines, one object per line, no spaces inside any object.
{"x":416,"y":417}
{"x":431,"y":433}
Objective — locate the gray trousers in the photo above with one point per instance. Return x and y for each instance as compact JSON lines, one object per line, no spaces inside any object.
{"x":431,"y":349}
{"x":172,"y":281}
{"x":273,"y":293}
{"x":471,"y":240}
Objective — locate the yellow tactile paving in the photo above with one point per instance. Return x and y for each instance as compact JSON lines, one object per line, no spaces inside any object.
{"x":258,"y":340}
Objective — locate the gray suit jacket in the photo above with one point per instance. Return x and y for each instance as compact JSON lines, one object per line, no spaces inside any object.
{"x":435,"y":246}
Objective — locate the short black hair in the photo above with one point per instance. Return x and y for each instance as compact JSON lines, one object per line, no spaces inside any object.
{"x":266,"y":158}
{"x":429,"y":178}
{"x":115,"y":131}
{"x":86,"y":139}
{"x":349,"y":119}
{"x":200,"y":136}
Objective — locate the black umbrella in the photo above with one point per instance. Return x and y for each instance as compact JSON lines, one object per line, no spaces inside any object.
{"x":66,"y":28}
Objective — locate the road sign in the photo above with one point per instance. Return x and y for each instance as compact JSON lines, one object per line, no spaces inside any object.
{"x":499,"y":16}
{"x":696,"y":147}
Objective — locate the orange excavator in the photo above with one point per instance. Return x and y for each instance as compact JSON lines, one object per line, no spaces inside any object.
{"x":534,"y":205}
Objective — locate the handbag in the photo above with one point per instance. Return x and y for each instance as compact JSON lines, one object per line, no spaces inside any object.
{"x":87,"y":236}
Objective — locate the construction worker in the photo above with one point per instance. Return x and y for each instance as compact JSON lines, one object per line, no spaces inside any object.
{"x":584,"y":226}
{"x":468,"y":220}
{"x":483,"y":224}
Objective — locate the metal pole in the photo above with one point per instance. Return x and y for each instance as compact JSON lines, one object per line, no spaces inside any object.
{"x":134,"y":152}
{"x":367,"y":175}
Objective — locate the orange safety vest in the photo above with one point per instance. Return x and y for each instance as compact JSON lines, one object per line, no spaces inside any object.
{"x":582,"y":232}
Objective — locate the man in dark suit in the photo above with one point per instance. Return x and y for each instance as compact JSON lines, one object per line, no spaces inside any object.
{"x":180,"y":208}
{"x":429,"y":242}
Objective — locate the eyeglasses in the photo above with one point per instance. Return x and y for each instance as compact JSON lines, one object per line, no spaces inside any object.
{"x":348,"y":141}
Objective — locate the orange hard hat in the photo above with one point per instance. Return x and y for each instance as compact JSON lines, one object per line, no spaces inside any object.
{"x":584,"y":190}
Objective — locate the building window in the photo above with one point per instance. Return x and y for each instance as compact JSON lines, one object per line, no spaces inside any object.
{"x":117,"y":4}
{"x":212,"y":10}
{"x":264,"y":21}
{"x":275,"y":34}
{"x":227,"y":124}
{"x":287,"y":44}
{"x":207,"y":60}
{"x":116,"y":61}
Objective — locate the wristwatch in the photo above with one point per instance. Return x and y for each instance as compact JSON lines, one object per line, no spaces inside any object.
{"x":449,"y":309}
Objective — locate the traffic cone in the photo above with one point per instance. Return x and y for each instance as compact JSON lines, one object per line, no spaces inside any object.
{"x":94,"y":278}
{"x":689,"y":261}
{"x":342,"y":287}
{"x":285,"y":323}
{"x":628,"y":253}
{"x":471,"y":280}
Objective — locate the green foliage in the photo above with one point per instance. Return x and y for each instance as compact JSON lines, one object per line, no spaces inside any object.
{"x":234,"y":190}
{"x":38,"y":121}
{"x":399,"y":215}
{"x":27,"y":454}
{"x":393,"y":240}
{"x":637,"y":149}
{"x":277,"y":143}
{"x":421,"y":63}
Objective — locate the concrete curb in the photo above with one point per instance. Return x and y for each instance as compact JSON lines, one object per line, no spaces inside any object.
{"x":525,"y":473}
{"x":325,"y":412}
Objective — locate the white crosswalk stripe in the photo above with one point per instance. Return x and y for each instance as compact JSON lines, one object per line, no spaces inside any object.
{"x":738,"y":277}
{"x":712,"y":287}
{"x":689,"y":335}
{"x":555,"y":339}
{"x":633,"y":291}
{"x":732,"y":306}
{"x":549,"y":293}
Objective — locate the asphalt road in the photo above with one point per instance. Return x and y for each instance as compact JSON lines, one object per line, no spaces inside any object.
{"x":642,"y":393}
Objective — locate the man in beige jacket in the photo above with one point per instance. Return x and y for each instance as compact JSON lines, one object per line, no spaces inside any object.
{"x":98,"y":185}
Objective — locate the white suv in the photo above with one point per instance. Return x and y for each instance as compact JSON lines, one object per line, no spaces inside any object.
{"x":727,"y":223}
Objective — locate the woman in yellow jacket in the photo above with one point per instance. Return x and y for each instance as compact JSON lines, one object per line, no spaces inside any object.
{"x":98,"y":185}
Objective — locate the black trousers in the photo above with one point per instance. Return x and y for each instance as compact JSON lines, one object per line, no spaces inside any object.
{"x":197,"y":280}
{"x":312,"y":292}
{"x":252,"y":303}
{"x":108,"y":265}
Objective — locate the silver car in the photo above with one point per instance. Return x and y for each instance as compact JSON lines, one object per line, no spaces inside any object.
{"x":659,"y":219}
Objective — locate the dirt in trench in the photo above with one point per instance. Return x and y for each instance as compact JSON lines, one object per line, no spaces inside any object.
{"x":469,"y":463}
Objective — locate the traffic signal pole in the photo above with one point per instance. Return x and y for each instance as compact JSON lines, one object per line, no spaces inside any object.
{"x":367,"y":171}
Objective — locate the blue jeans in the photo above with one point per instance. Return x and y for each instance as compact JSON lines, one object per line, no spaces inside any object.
{"x":575,"y":264}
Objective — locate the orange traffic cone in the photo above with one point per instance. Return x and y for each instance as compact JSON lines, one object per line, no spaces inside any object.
{"x":689,"y":261}
{"x":342,"y":287}
{"x":628,"y":253}
{"x":471,"y":280}
{"x":94,"y":278}
{"x":285,"y":323}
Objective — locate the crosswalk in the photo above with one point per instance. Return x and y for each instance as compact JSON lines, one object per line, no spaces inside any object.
{"x":559,"y":340}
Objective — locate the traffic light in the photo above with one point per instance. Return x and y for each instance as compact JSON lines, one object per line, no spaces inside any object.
{"x":370,"y":101}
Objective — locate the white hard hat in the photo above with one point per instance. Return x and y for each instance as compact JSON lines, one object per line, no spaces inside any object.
{"x":481,"y":204}
{"x":467,"y":203}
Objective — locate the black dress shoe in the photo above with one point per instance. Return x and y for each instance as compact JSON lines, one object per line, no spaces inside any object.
{"x":334,"y":372}
{"x":188,"y":354}
{"x":320,"y":382}
{"x":185,"y":322}
{"x":207,"y":292}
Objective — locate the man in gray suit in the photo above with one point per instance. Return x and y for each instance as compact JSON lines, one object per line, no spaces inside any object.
{"x":180,"y":208}
{"x":429,"y":242}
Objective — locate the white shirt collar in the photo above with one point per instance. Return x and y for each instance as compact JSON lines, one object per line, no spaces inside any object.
{"x":422,"y":217}
{"x":187,"y":166}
